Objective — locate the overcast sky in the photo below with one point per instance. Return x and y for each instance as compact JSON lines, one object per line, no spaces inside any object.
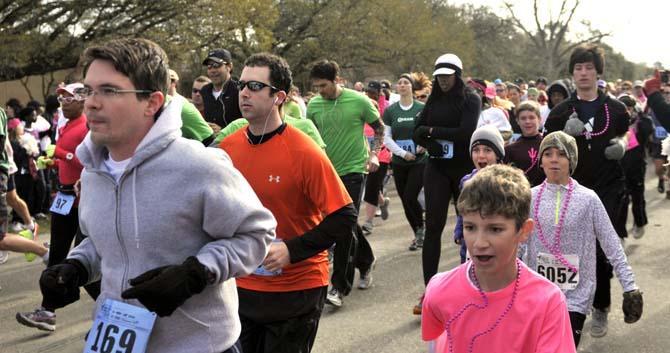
{"x":638,"y":28}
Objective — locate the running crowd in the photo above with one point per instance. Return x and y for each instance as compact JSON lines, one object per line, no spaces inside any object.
{"x":270,"y":190}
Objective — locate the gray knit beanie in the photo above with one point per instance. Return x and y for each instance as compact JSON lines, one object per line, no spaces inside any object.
{"x":490,"y":136}
{"x":563,"y":142}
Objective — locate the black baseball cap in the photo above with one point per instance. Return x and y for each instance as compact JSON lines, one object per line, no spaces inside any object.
{"x":519,"y":80}
{"x":218,"y":56}
{"x":542,"y":79}
{"x":374,"y":86}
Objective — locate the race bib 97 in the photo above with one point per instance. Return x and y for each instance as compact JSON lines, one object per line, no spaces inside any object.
{"x":555,"y":271}
{"x":120,"y":328}
{"x":62,"y":204}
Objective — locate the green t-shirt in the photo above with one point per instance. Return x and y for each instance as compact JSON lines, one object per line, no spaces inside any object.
{"x":402,"y":124}
{"x":340,"y":122}
{"x":292,"y":109}
{"x":193,"y":125}
{"x":303,"y":125}
{"x":4,"y":159}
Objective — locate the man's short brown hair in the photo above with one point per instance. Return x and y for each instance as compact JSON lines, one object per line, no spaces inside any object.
{"x":588,"y":53}
{"x":497,"y":190}
{"x":141,"y":60}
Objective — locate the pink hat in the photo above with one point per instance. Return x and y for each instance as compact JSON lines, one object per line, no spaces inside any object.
{"x":490,"y":92}
{"x":13,"y":123}
{"x":69,"y":88}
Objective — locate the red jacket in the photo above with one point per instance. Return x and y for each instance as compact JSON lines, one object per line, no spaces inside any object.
{"x":69,"y":137}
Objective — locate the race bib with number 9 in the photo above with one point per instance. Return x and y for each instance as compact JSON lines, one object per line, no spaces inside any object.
{"x":62,"y":204}
{"x":120,"y":328}
{"x":447,"y":149}
{"x":555,"y":271}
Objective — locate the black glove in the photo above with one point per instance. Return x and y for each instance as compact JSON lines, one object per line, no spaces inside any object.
{"x":60,"y":283}
{"x":435,"y":149}
{"x":632,"y":306}
{"x":164,"y":289}
{"x":422,"y":131}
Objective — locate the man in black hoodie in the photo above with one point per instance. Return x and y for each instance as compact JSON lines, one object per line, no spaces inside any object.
{"x":599,"y":124}
{"x":220,"y":97}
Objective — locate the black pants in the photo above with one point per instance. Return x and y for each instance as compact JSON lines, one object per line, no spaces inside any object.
{"x":356,"y":251}
{"x":374,"y":184}
{"x":440,"y":188}
{"x":635,"y":195}
{"x":408,"y":182}
{"x":613,"y":199}
{"x":280,"y":322}
{"x":25,"y":189}
{"x":577,"y":324}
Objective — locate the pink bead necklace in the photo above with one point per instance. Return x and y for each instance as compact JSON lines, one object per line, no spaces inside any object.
{"x":532,"y":154}
{"x":555,"y":249}
{"x":485,"y":299}
{"x":607,"y":124}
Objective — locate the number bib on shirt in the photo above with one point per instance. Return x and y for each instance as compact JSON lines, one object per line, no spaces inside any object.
{"x":120,"y":328}
{"x":262,"y":271}
{"x":407,"y":145}
{"x":447,"y":149}
{"x":660,"y":132}
{"x":552,"y":269}
{"x":62,"y":204}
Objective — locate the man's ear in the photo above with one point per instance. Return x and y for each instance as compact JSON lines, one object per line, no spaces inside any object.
{"x":526,"y":229}
{"x":156,"y":101}
{"x":281,"y":98}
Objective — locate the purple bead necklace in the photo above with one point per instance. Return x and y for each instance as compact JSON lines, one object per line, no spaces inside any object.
{"x":555,"y":249}
{"x":607,"y":124}
{"x":485,"y":299}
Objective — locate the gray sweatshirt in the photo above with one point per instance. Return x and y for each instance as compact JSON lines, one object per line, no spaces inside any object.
{"x":586,"y":220}
{"x":175,"y":199}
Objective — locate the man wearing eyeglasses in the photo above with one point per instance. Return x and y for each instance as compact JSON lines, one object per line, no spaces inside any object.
{"x":64,"y":220}
{"x":220,"y":97}
{"x":282,"y":301}
{"x":170,"y":222}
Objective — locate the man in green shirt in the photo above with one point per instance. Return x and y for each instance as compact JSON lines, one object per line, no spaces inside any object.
{"x":340,"y":115}
{"x":193,"y":125}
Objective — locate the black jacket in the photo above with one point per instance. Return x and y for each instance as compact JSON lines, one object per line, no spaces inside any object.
{"x":594,"y":171}
{"x":560,"y":86}
{"x":225,"y":109}
{"x":661,"y":109}
{"x":453,"y":119}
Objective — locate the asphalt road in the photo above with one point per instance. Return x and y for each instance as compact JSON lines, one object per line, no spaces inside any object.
{"x":380,"y":319}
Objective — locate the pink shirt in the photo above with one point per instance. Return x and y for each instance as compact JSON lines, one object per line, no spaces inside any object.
{"x":384,"y":155}
{"x":537,"y":322}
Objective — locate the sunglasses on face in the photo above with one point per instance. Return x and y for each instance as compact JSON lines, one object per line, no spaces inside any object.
{"x":68,"y":100}
{"x":254,"y":86}
{"x":422,"y":96}
{"x":195,"y":90}
{"x":213,"y":65}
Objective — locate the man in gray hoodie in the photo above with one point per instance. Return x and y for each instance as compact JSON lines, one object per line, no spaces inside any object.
{"x":170,"y":223}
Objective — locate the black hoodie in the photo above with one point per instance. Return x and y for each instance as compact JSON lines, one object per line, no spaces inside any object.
{"x":560,"y":86}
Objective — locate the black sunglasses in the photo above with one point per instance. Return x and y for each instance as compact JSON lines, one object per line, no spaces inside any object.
{"x":195,"y":90}
{"x":423,"y":96}
{"x":254,"y":86}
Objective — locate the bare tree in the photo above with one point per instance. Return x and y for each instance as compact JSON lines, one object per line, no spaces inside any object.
{"x":550,"y":39}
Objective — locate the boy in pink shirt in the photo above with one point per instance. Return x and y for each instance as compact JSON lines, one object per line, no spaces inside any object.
{"x":494,"y":302}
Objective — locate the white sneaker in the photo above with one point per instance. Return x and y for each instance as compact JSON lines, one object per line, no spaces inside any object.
{"x":638,"y":232}
{"x":599,"y":323}
{"x":4,"y":256}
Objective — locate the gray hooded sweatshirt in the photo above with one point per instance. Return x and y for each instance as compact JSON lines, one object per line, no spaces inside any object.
{"x":175,"y":199}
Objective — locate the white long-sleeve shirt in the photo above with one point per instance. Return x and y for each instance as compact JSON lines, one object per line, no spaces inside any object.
{"x":585,"y":222}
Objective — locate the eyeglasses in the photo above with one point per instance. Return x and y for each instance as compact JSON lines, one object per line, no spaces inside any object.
{"x":68,"y":100}
{"x":213,"y":65}
{"x":106,"y":92}
{"x":254,"y":86}
{"x":195,"y":90}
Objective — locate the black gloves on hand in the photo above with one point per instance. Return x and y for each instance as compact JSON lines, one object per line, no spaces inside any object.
{"x":632,"y":306}
{"x":60,"y":283}
{"x":164,"y":289}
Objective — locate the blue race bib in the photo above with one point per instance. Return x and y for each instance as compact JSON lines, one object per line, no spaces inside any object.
{"x":447,"y":149}
{"x":120,"y":328}
{"x":660,"y":133}
{"x":407,"y":145}
{"x":62,"y":204}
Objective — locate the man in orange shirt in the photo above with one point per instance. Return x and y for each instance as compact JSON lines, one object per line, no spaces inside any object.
{"x":281,"y":302}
